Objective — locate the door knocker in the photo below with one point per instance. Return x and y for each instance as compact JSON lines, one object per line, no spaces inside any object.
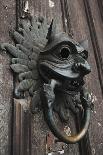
{"x":50,"y":66}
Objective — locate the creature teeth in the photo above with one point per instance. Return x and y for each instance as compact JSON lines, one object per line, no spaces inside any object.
{"x":75,"y":82}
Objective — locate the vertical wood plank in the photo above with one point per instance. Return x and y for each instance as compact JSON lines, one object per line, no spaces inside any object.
{"x":43,"y":8}
{"x":100,"y":4}
{"x":94,"y":23}
{"x":21,"y":127}
{"x":96,"y":37}
{"x":72,"y":12}
{"x":7,"y":21}
{"x":86,"y":24}
{"x":21,"y":114}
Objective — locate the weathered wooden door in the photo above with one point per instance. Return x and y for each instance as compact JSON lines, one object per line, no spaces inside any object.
{"x":22,"y":133}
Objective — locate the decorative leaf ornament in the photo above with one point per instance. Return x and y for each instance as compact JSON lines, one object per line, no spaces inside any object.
{"x":30,"y":40}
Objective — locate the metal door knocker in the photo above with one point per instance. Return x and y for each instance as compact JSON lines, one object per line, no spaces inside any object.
{"x":50,"y":66}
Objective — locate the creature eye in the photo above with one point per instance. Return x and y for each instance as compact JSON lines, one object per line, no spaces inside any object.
{"x":64,"y":52}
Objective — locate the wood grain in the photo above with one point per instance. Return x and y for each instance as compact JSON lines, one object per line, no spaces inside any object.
{"x":7,"y":21}
{"x":21,"y":127}
{"x":84,"y":28}
{"x":82,"y":19}
{"x":39,"y":126}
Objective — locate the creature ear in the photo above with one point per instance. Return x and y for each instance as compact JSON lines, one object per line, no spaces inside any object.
{"x":84,"y":44}
{"x":51,"y":31}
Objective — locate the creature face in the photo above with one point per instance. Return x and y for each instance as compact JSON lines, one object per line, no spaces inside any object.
{"x":44,"y":59}
{"x":42,"y":51}
{"x":62,"y":61}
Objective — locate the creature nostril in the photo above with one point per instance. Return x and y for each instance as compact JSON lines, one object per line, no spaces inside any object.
{"x":75,"y":67}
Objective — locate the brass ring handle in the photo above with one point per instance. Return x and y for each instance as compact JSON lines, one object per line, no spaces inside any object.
{"x":62,"y":136}
{"x":50,"y":97}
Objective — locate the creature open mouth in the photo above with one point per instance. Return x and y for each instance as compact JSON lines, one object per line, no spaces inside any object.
{"x":69,"y":79}
{"x":60,"y":70}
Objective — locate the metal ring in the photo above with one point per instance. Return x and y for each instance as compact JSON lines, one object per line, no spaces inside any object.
{"x":62,"y":136}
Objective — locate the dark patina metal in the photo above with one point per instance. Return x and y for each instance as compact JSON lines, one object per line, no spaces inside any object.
{"x":51,"y":65}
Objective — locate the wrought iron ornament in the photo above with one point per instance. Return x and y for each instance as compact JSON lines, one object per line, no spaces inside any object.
{"x":51,"y":66}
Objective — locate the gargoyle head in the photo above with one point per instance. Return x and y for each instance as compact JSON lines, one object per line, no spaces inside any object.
{"x":64,"y":59}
